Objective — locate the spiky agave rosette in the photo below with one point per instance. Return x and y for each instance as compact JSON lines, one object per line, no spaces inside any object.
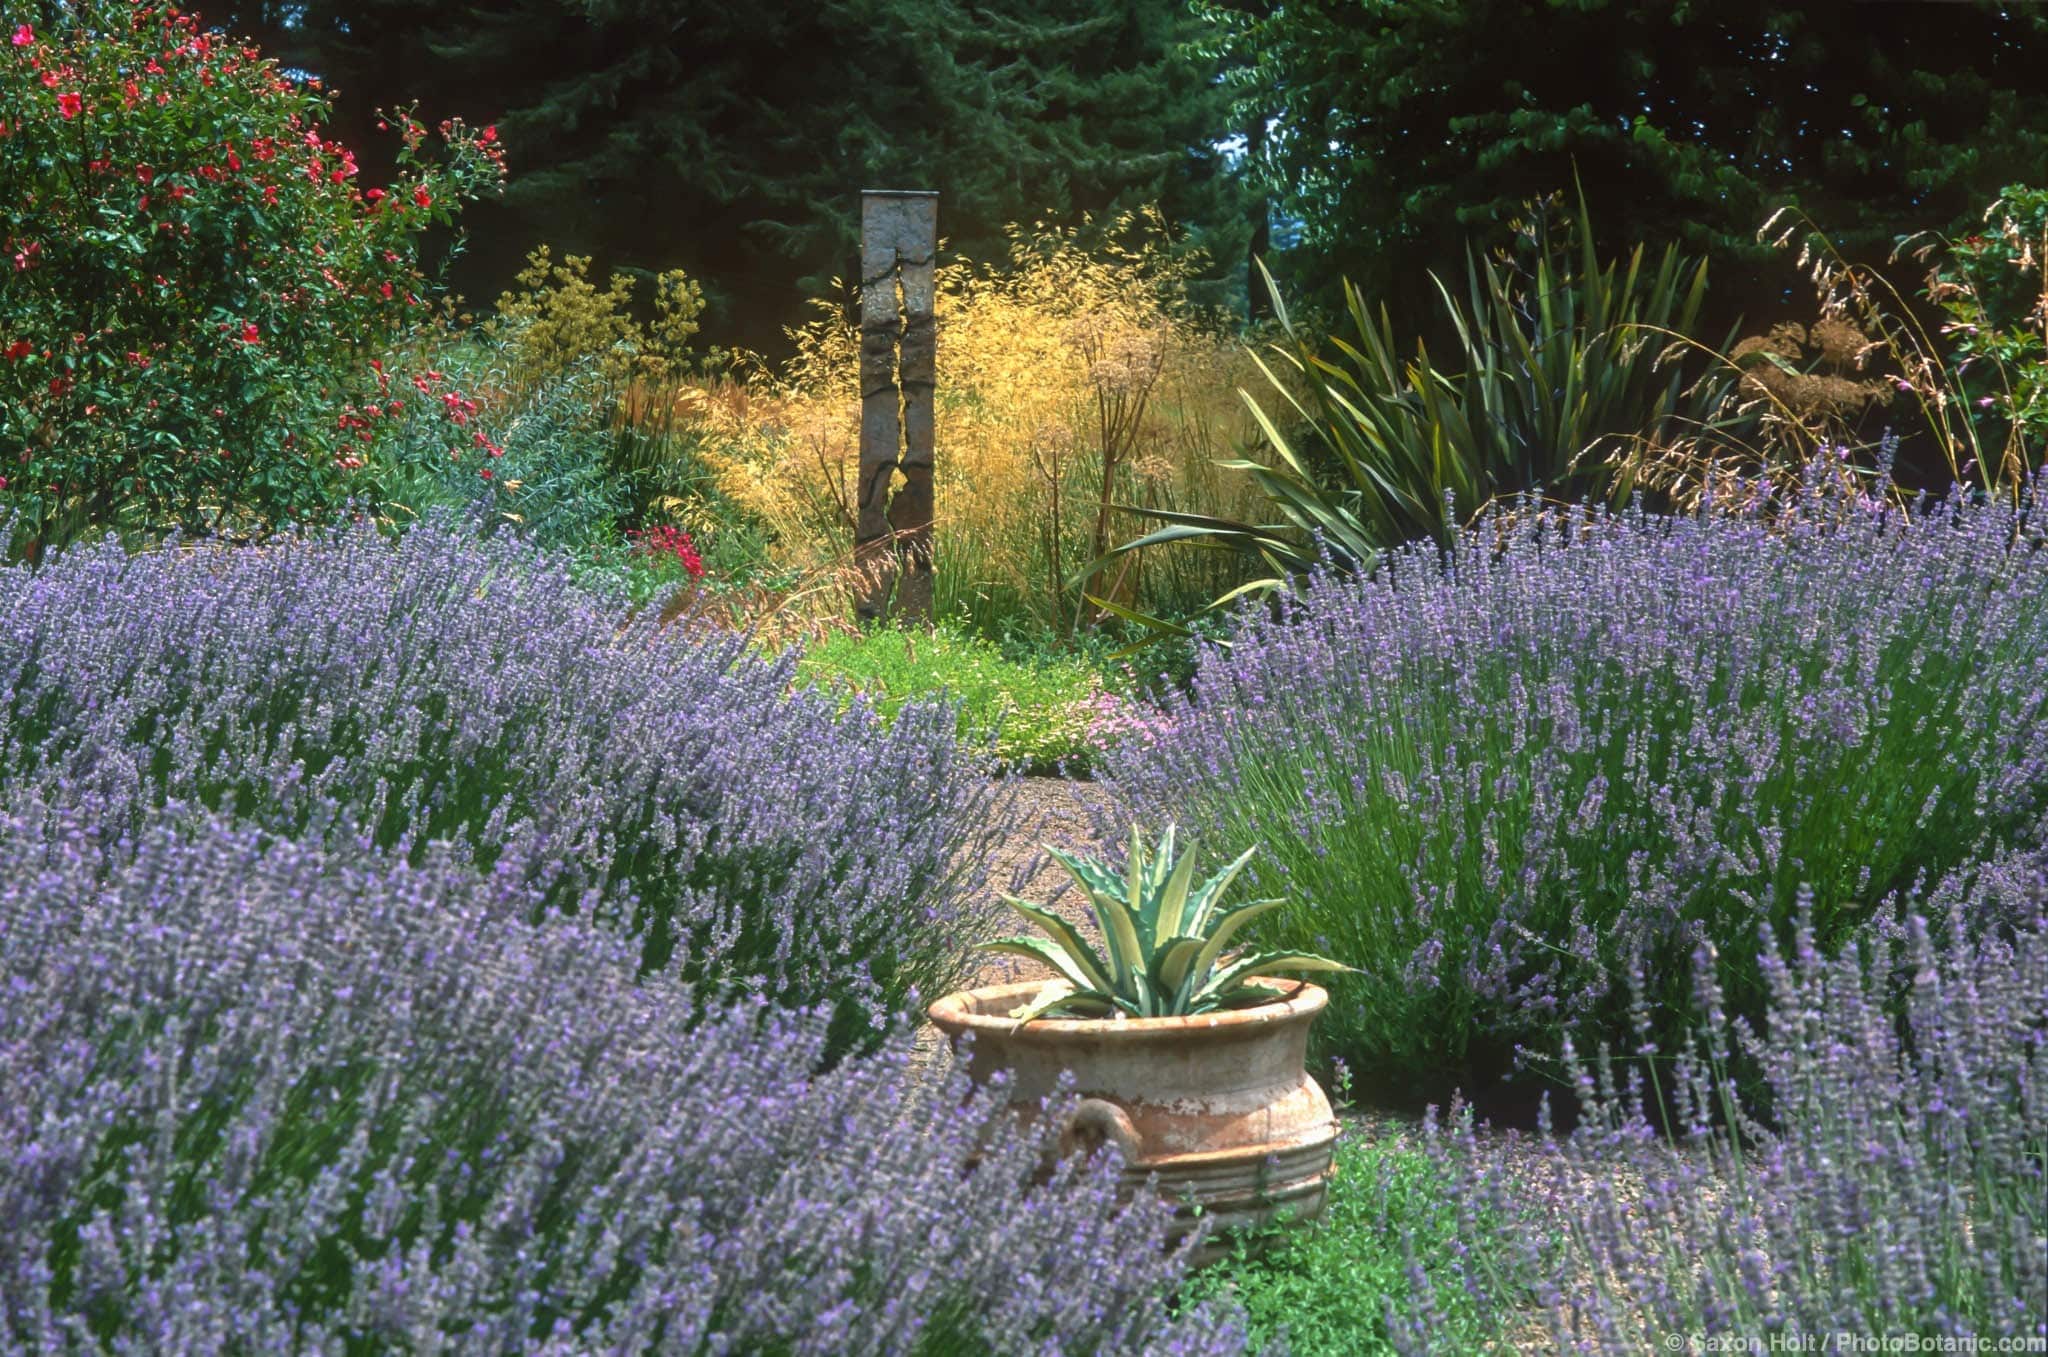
{"x":1164,"y":937}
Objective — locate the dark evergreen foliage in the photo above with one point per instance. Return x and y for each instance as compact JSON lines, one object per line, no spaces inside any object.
{"x":1397,"y":132}
{"x":734,"y":140}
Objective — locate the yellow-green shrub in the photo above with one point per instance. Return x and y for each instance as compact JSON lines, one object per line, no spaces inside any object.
{"x":555,"y":317}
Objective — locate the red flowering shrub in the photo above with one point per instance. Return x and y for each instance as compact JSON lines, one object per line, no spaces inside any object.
{"x":193,"y":285}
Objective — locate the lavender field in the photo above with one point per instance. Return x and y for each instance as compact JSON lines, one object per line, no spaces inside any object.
{"x":407,"y":947}
{"x":570,"y":572}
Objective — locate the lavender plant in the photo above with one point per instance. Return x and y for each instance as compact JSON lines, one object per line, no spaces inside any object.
{"x":1502,"y":778}
{"x":663,"y":780}
{"x":1899,"y":1190}
{"x":265,"y":1096}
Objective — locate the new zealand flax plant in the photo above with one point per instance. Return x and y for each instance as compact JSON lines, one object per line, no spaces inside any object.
{"x":1163,"y":935}
{"x":1559,"y":365}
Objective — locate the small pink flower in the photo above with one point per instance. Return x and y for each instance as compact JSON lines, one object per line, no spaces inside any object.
{"x":70,"y":105}
{"x":24,"y":35}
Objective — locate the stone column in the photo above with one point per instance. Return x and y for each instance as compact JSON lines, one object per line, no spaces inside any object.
{"x":898,"y":347}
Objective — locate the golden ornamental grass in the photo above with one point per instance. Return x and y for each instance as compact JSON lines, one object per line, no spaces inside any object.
{"x":1070,"y":379}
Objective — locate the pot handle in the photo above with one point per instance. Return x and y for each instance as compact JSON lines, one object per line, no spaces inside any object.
{"x":1094,"y":1123}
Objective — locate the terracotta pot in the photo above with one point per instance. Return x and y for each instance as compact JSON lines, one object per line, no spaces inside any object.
{"x":1219,"y":1106}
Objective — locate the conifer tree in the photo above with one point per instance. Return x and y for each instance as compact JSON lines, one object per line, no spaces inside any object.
{"x":733,"y":139}
{"x":1402,"y":129}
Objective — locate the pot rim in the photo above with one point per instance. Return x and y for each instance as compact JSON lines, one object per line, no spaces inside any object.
{"x":955,"y":1014}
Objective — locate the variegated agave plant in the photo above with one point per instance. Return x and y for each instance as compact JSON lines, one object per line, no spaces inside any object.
{"x":1165,"y":939}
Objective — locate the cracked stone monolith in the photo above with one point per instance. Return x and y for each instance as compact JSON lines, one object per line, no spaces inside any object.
{"x":898,"y":352}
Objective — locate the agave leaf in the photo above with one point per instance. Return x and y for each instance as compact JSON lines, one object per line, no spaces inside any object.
{"x":1134,"y":870}
{"x":1204,"y":901}
{"x":1054,"y":998}
{"x":1262,"y":964}
{"x":1173,"y":897}
{"x":1050,"y":993}
{"x":1115,"y":918}
{"x":1227,"y":925}
{"x":1090,"y":970}
{"x":1172,"y":964}
{"x":1038,"y":949}
{"x":1089,"y":874}
{"x":1156,"y":868}
{"x":1120,"y":937}
{"x":1238,"y":996}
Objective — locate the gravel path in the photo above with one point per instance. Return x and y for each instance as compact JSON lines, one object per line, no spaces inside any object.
{"x":1049,"y":810}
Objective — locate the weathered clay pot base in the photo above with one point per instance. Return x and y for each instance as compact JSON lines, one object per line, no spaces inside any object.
{"x":1219,"y":1106}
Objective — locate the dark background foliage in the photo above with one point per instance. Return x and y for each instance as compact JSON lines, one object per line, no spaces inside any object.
{"x":732,"y":140}
{"x":1399,"y":131}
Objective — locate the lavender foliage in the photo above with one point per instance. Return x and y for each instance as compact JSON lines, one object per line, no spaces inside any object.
{"x":1898,"y":1193}
{"x":445,"y":689}
{"x":1506,"y":778}
{"x":273,"y":1097}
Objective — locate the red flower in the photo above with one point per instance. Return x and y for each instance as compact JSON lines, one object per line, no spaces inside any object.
{"x":24,"y":35}
{"x":18,"y":350}
{"x":490,"y":133}
{"x":422,"y":197}
{"x":249,"y":332}
{"x":70,"y":105}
